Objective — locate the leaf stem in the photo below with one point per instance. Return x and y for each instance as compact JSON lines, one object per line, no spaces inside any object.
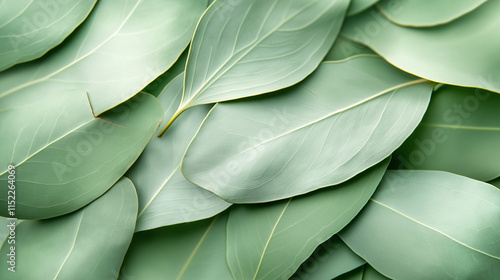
{"x":172,"y":119}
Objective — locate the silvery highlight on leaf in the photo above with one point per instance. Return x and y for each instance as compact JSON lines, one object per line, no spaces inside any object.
{"x":249,"y":139}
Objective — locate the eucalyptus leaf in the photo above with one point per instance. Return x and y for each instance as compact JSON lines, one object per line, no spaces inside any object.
{"x":117,"y":51}
{"x":455,"y":53}
{"x":165,"y":196}
{"x":429,"y":225}
{"x":344,"y":48}
{"x":270,"y":241}
{"x":248,"y":47}
{"x":156,"y":87}
{"x":358,"y":6}
{"x":329,"y":260}
{"x":186,"y":251}
{"x":495,"y":182}
{"x":61,"y":170}
{"x":344,"y":118}
{"x":87,"y":244}
{"x":365,"y":272}
{"x":425,"y":13}
{"x":30,"y":28}
{"x":459,"y":133}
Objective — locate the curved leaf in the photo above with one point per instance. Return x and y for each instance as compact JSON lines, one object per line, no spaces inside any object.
{"x":30,"y":28}
{"x":425,"y":13}
{"x":329,"y":260}
{"x":279,"y":42}
{"x":116,"y":52}
{"x":365,"y":272}
{"x":87,"y":244}
{"x":156,"y":87}
{"x":165,"y":196}
{"x":344,"y":48}
{"x":183,"y":252}
{"x":346,"y":117}
{"x":61,"y":170}
{"x":429,"y":225}
{"x":270,"y":241}
{"x":458,"y":119}
{"x":358,"y":6}
{"x":454,"y":53}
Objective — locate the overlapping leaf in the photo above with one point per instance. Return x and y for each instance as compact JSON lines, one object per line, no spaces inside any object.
{"x":455,"y":53}
{"x":165,"y":196}
{"x":183,"y":252}
{"x":87,"y":244}
{"x":248,"y":47}
{"x":61,"y":170}
{"x":271,"y":241}
{"x":358,"y":6}
{"x":459,"y":133}
{"x":424,"y":13}
{"x":30,"y":28}
{"x":331,"y":259}
{"x":346,"y":117}
{"x":116,"y":52}
{"x":365,"y":272}
{"x":429,"y":225}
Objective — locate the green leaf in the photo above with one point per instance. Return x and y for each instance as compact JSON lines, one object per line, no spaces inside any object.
{"x":425,"y":13}
{"x":156,"y":87}
{"x":454,"y":53}
{"x":358,"y":6}
{"x":248,"y":47}
{"x":344,"y":118}
{"x":87,"y":244}
{"x":344,"y":48}
{"x":116,"y":52}
{"x":328,"y":261}
{"x":429,"y":225}
{"x":365,"y":272}
{"x":496,"y":182}
{"x":61,"y":170}
{"x":165,"y":196}
{"x":30,"y":28}
{"x":270,"y":241}
{"x":458,"y":119}
{"x":186,"y":251}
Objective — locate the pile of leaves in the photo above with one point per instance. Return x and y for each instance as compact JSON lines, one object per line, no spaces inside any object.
{"x":250,"y":139}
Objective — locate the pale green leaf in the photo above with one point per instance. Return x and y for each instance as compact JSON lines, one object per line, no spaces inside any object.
{"x":117,"y":51}
{"x":270,"y":241}
{"x":165,"y":196}
{"x":248,"y":47}
{"x":188,"y":251}
{"x":346,"y":117}
{"x":365,"y":272}
{"x":459,"y":133}
{"x":30,"y":28}
{"x":358,"y":6}
{"x":60,"y":170}
{"x":329,"y":260}
{"x":463,"y":52}
{"x":429,"y":225}
{"x":87,"y":244}
{"x":344,"y":48}
{"x":156,"y":87}
{"x":423,"y":13}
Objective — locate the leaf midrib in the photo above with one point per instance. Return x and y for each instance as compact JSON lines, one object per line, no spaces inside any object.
{"x":72,"y":247}
{"x":433,"y":229}
{"x":271,"y":235}
{"x":332,"y":114}
{"x":462,"y":127}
